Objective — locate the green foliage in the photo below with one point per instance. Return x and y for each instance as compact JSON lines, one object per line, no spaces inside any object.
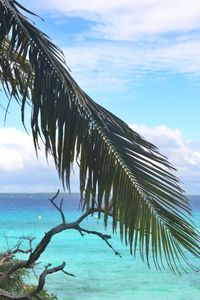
{"x":43,"y":294}
{"x":15,"y":283}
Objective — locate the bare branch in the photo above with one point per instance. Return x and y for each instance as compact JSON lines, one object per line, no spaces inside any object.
{"x":29,"y":250}
{"x":59,"y":208}
{"x":85,"y":215}
{"x":40,"y":286}
{"x":67,"y":273}
{"x":104,"y":237}
{"x":40,"y":248}
{"x":42,"y":245}
{"x":10,"y":253}
{"x":43,"y":275}
{"x":91,"y":211}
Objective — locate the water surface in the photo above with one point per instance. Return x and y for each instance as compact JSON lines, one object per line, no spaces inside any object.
{"x":100,"y":275}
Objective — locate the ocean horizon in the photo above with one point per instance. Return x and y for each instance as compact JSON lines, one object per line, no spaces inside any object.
{"x":100,"y":274}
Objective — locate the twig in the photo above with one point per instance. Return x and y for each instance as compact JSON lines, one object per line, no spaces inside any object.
{"x":59,"y":208}
{"x":43,"y":275}
{"x":104,"y":237}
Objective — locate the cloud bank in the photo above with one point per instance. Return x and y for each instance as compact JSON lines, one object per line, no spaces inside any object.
{"x":183,"y":154}
{"x":136,"y":37}
{"x":123,"y":41}
{"x":21,"y":171}
{"x":120,"y":66}
{"x":127,"y":19}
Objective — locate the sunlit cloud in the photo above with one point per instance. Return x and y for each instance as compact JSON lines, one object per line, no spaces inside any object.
{"x":128,"y":19}
{"x":125,"y":40}
{"x":119,"y":66}
{"x":21,"y":171}
{"x":183,"y":154}
{"x":17,"y":151}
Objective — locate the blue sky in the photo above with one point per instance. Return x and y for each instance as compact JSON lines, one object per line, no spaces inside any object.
{"x":139,"y":59}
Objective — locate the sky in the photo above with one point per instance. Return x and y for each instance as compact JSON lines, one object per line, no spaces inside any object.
{"x":139,"y":59}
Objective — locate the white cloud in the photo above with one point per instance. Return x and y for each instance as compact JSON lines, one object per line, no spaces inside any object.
{"x":17,"y":151}
{"x":116,"y":67}
{"x":127,"y":39}
{"x":183,"y":154}
{"x":128,"y":19}
{"x":14,"y":149}
{"x":10,"y":159}
{"x":20,"y":170}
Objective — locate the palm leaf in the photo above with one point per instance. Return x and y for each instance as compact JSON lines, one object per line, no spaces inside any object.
{"x":120,"y":172}
{"x":14,"y":72}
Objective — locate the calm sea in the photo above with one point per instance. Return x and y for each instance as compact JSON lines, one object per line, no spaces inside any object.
{"x":100,"y":275}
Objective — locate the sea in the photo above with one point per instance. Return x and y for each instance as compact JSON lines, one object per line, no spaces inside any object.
{"x":99,"y":273}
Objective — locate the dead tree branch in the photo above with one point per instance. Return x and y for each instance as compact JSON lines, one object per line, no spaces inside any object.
{"x":60,"y":207}
{"x":41,"y":247}
{"x":47,"y":271}
{"x":104,"y":237}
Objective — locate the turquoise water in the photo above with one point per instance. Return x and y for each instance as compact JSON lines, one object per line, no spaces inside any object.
{"x":100,"y":275}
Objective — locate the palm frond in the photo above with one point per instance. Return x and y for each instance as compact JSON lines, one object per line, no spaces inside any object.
{"x":119,"y":170}
{"x":14,"y":72}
